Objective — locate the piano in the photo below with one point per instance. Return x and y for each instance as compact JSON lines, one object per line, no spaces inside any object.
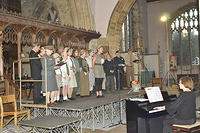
{"x":141,"y":117}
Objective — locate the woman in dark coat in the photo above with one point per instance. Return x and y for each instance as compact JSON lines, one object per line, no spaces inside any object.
{"x":183,"y":110}
{"x":51,"y":75}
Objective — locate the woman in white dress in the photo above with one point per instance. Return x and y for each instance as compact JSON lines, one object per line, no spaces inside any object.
{"x":72,"y":70}
{"x":65,"y":76}
{"x":58,"y":76}
{"x":91,"y":73}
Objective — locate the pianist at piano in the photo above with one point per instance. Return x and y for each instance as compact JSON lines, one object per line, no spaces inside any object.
{"x":158,"y":117}
{"x":182,"y":111}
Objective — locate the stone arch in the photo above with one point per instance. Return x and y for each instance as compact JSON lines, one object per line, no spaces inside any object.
{"x":40,"y":8}
{"x":174,"y":15}
{"x":182,"y":9}
{"x":177,"y":15}
{"x":43,"y":8}
{"x":117,"y":18}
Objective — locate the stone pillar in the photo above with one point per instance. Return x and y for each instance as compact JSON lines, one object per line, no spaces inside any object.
{"x":90,"y":17}
{"x":74,"y":13}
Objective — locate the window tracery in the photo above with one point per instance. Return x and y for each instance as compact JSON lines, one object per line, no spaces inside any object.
{"x":40,"y":38}
{"x":185,"y":45}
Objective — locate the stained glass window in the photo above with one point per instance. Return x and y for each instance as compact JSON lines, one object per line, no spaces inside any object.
{"x":185,"y":43}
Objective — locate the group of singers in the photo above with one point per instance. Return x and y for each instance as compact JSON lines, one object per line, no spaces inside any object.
{"x":76,"y":72}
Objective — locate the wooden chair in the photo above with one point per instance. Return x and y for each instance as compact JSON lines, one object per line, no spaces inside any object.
{"x":156,"y":82}
{"x":12,"y":112}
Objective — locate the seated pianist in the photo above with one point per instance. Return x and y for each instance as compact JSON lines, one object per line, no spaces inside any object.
{"x":158,"y":117}
{"x":182,"y":111}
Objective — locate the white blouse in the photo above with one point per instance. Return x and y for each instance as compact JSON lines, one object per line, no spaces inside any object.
{"x":70,"y":64}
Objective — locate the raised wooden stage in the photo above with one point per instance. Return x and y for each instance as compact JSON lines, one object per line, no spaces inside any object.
{"x":95,"y":113}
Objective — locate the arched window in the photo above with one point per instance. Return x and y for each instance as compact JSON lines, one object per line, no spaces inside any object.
{"x":131,"y":28}
{"x":52,"y":15}
{"x":185,"y":45}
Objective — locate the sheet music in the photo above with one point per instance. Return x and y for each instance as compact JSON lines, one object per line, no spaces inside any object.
{"x":139,"y":99}
{"x":154,"y":94}
{"x":156,"y":110}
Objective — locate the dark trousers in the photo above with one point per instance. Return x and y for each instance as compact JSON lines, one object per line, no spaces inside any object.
{"x":98,"y":84}
{"x":37,"y":91}
{"x":76,"y":89}
{"x":121,"y":78}
{"x":170,"y":120}
{"x":110,"y":83}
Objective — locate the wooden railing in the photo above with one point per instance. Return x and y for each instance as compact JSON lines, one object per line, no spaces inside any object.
{"x":2,"y":87}
{"x":10,"y":86}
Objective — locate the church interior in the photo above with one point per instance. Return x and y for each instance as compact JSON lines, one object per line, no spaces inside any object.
{"x":162,"y":35}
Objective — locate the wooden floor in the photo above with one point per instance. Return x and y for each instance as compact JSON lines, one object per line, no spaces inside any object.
{"x":117,"y":129}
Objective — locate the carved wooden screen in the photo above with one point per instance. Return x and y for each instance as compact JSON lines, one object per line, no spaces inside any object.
{"x":9,"y":47}
{"x":53,"y":40}
{"x":26,"y":41}
{"x":74,"y":42}
{"x":40,"y":38}
{"x":64,"y":40}
{"x":9,"y":34}
{"x":82,"y":44}
{"x":26,"y":37}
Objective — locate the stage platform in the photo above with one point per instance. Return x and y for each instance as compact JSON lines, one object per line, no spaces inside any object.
{"x":49,"y":124}
{"x":83,"y":103}
{"x":95,"y":113}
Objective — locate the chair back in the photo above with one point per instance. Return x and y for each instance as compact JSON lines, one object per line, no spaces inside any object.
{"x":9,"y":99}
{"x":156,"y":82}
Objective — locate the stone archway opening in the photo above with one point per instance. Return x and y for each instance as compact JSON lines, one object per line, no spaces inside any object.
{"x":115,"y":24}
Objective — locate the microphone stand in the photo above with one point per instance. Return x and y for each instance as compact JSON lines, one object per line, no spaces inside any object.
{"x":119,"y":99}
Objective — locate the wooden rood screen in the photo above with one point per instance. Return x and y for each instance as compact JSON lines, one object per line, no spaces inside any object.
{"x":17,"y":33}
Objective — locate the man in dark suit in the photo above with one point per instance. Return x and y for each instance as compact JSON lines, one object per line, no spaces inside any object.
{"x":119,"y":70}
{"x":36,"y":68}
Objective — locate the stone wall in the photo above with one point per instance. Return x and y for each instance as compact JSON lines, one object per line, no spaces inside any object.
{"x":156,"y":28}
{"x":76,"y":13}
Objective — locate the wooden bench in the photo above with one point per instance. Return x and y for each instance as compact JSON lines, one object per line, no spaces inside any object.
{"x":51,"y":124}
{"x":194,"y":128}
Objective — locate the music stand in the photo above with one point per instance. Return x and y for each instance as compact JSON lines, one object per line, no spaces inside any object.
{"x":119,"y":98}
{"x":167,"y":77}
